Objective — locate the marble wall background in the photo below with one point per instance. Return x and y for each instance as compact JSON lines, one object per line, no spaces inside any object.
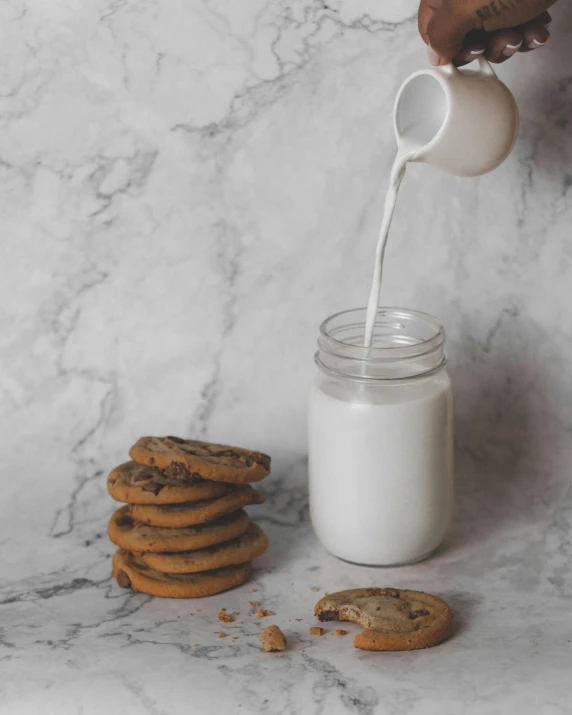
{"x":188,"y":188}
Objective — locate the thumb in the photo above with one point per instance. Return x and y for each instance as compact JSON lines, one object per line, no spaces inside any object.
{"x":447,"y":30}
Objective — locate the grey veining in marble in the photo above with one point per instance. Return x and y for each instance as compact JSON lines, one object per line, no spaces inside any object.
{"x":187,"y":188}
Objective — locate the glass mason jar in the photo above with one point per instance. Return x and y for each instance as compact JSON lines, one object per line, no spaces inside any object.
{"x":381,"y":438}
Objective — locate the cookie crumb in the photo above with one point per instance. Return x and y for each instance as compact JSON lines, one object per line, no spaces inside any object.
{"x":298,"y":619}
{"x":224,"y":616}
{"x":234,"y":638}
{"x":341,"y":632}
{"x":262,"y":613}
{"x":238,"y":623}
{"x":195,"y":645}
{"x":253,"y":590}
{"x":273,"y":639}
{"x":254,"y":604}
{"x":316,"y":631}
{"x":236,"y":613}
{"x":222,"y":634}
{"x":314,"y":589}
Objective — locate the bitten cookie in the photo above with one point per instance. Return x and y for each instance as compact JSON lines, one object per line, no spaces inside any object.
{"x":131,"y":572}
{"x":182,"y":457}
{"x":137,"y":484}
{"x":247,"y":547}
{"x":199,"y":512}
{"x":136,"y":536}
{"x":392,"y":619}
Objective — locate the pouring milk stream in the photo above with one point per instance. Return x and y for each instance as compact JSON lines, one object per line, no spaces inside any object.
{"x":462,"y":121}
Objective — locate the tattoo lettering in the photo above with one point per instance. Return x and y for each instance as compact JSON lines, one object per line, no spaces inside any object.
{"x":496,"y":7}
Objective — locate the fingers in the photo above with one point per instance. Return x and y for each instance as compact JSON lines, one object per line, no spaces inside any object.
{"x":474,"y":45}
{"x":446,"y":32}
{"x":535,"y":34}
{"x":427,"y":9}
{"x":545,"y":19}
{"x":450,"y":31}
{"x":503,"y":44}
{"x":513,"y":13}
{"x":500,"y":45}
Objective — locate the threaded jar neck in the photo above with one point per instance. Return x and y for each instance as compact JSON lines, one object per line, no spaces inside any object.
{"x":406,"y":343}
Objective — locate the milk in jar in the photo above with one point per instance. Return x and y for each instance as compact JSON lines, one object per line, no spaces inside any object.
{"x":381,"y":438}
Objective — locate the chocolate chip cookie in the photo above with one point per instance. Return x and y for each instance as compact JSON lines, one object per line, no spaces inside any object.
{"x":138,"y":484}
{"x":392,"y":619}
{"x":131,"y":572}
{"x":250,"y":545}
{"x":197,"y":512}
{"x":178,"y":458}
{"x":133,"y":535}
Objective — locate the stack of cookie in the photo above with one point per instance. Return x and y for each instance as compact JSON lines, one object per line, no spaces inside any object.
{"x":183,"y":533}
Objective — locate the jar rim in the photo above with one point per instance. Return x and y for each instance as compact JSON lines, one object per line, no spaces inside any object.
{"x":409,"y":343}
{"x":396,"y":313}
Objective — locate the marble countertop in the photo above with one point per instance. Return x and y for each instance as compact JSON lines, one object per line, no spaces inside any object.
{"x":187,"y":189}
{"x":72,"y":641}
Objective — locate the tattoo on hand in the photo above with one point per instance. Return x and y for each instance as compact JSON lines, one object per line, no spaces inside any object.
{"x":496,"y":7}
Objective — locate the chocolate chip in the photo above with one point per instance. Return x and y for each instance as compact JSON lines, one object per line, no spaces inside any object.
{"x":264,"y":460}
{"x":155,"y":488}
{"x":258,"y":458}
{"x":177,"y":470}
{"x":140,"y":478}
{"x":151,"y":460}
{"x":124,"y":522}
{"x":123,"y":579}
{"x":176,"y":440}
{"x":328,"y":616}
{"x":393,"y":592}
{"x":420,"y":612}
{"x":226,"y":453}
{"x":196,"y":475}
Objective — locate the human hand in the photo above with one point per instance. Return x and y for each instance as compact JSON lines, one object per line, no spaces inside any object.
{"x":462,"y":30}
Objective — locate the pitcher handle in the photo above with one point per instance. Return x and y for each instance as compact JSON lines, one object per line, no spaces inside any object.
{"x":485,"y":67}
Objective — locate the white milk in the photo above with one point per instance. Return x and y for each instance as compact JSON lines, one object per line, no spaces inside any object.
{"x":381,"y":468}
{"x":395,"y":179}
{"x":409,"y":146}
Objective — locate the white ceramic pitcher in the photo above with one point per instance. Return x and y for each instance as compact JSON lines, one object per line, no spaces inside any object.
{"x":462,"y":121}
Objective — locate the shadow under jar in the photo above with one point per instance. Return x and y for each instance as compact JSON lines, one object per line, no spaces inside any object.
{"x":381,"y":438}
